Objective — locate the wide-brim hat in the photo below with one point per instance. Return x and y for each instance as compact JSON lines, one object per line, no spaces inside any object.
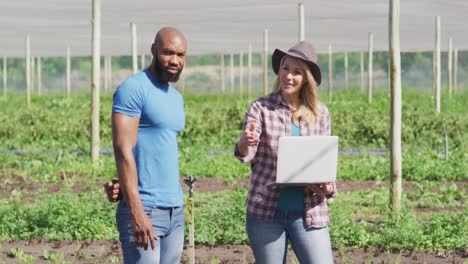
{"x":304,"y":51}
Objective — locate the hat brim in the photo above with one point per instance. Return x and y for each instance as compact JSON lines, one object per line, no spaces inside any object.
{"x":278,"y":56}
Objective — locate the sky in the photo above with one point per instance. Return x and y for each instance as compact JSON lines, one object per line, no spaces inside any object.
{"x":220,"y":26}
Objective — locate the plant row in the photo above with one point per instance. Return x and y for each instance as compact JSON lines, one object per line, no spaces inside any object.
{"x":57,"y":123}
{"x":359,"y":219}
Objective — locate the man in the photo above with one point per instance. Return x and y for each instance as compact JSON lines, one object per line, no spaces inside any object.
{"x":147,"y":115}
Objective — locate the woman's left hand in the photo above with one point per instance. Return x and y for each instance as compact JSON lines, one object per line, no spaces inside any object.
{"x":322,"y":189}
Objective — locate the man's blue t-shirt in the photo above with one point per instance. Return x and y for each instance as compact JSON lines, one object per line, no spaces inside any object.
{"x":162,"y":118}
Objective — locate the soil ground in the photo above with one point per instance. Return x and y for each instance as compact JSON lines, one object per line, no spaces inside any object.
{"x":109,"y":251}
{"x":28,"y":188}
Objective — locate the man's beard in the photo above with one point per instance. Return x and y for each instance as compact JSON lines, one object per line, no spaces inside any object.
{"x":161,"y":71}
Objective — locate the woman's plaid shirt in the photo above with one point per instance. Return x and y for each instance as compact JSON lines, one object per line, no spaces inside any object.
{"x":272,"y":119}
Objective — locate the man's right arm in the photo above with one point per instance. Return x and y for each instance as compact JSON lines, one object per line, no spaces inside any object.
{"x":124,"y":137}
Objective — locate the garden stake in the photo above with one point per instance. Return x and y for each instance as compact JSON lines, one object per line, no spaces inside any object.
{"x":446,"y":143}
{"x":189,"y":181}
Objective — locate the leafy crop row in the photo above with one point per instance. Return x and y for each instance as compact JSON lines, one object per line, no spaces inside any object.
{"x":58,"y":123}
{"x":359,"y":219}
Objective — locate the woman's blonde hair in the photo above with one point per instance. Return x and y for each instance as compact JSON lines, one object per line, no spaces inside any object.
{"x":308,"y":101}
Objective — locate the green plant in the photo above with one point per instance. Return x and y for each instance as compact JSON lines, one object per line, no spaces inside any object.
{"x":83,"y":255}
{"x":57,"y":258}
{"x":114,"y":259}
{"x":21,"y":257}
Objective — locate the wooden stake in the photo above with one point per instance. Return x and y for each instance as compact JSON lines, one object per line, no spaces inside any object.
{"x":265,"y":62}
{"x":388,"y":71}
{"x":301,"y":22}
{"x":241,"y":73}
{"x":105,"y":71}
{"x":232,"y":72}
{"x":33,"y":73}
{"x":395,"y":119}
{"x":95,"y":79}
{"x":28,"y":74}
{"x":223,"y":85}
{"x":330,"y":73}
{"x":134,"y":48}
{"x":449,"y":68}
{"x":249,"y":58}
{"x":68,"y":72}
{"x":455,"y":70}
{"x":39,"y":76}
{"x":109,"y":74}
{"x":437,"y":65}
{"x":446,"y":143}
{"x":346,"y":69}
{"x":434,"y":75}
{"x":183,"y":76}
{"x":370,"y":68}
{"x":362,"y":70}
{"x":4,"y":77}
{"x":183,"y":84}
{"x":143,"y":63}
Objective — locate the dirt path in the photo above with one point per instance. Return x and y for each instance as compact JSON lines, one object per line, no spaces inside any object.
{"x":29,"y":189}
{"x":109,"y":252}
{"x":219,"y":184}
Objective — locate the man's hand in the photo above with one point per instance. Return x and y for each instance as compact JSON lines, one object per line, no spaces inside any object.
{"x":112,"y":190}
{"x":143,"y":230}
{"x":322,"y":189}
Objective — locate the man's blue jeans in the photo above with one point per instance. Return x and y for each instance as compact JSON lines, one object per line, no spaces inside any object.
{"x":268,"y":240}
{"x":168,"y":224}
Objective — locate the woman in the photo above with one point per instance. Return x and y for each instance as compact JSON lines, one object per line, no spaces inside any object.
{"x":276,"y":215}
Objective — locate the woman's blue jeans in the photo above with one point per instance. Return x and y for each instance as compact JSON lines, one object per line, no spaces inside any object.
{"x":268,"y":240}
{"x":168,"y":223}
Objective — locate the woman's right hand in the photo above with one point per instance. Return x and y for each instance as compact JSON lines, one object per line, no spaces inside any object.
{"x":247,"y":140}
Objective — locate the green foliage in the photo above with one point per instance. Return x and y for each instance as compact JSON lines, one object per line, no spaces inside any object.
{"x":51,"y":144}
{"x":198,"y":77}
{"x":199,"y":161}
{"x":55,"y":257}
{"x":56,"y":122}
{"x":59,"y":217}
{"x":53,"y":137}
{"x":360,"y":218}
{"x":115,"y":259}
{"x":362,"y":125}
{"x":54,"y":167}
{"x":207,"y":59}
{"x":220,"y":218}
{"x":442,"y":230}
{"x":448,"y":196}
{"x":20,"y":256}
{"x":416,"y":166}
{"x":446,"y":231}
{"x":344,"y":231}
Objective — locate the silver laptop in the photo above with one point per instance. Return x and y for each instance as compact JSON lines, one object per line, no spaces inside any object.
{"x":307,"y":159}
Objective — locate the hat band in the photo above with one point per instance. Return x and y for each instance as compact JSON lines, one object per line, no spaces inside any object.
{"x":300,"y":53}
